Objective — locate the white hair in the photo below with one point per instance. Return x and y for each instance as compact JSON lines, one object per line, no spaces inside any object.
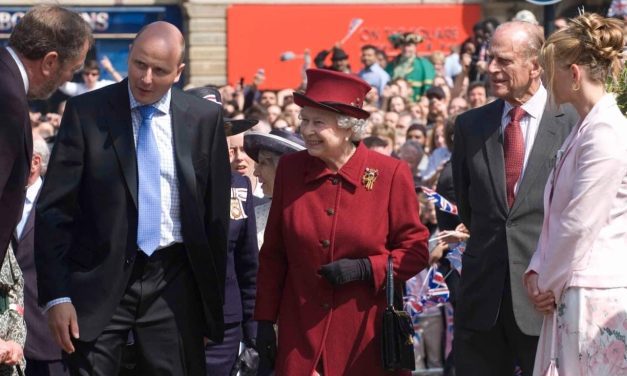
{"x":358,"y":126}
{"x":274,"y":157}
{"x":40,"y":148}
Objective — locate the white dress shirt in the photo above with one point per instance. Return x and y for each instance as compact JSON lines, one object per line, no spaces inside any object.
{"x":29,"y":202}
{"x":170,"y":198}
{"x":529,"y":124}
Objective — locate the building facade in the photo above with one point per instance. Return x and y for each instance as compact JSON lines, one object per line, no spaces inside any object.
{"x":208,"y":29}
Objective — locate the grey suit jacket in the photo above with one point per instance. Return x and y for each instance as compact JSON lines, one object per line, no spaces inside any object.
{"x":39,"y":342}
{"x":502,"y":240}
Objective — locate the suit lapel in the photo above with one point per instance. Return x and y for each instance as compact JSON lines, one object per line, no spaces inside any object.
{"x":6,"y":57}
{"x":544,"y":141}
{"x":117,"y":116}
{"x":182,"y":133}
{"x":28,"y":141}
{"x":493,"y":153}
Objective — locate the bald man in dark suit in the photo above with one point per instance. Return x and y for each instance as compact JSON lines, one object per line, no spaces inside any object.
{"x":132,"y":219}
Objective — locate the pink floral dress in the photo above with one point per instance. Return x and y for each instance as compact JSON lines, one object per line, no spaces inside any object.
{"x":591,"y":333}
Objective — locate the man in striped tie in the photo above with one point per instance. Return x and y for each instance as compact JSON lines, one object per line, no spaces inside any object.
{"x":502,"y":156}
{"x":132,"y":219}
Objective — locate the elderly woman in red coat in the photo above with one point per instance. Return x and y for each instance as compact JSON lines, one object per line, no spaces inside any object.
{"x":338,"y":212}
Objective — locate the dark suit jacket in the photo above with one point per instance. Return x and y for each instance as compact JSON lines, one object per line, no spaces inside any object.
{"x":39,"y":342}
{"x":16,"y":147}
{"x":241,"y":263}
{"x":446,"y":221}
{"x":85,"y":243}
{"x":501,"y":240}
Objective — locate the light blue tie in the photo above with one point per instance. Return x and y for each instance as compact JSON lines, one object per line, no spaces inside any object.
{"x":148,"y":169}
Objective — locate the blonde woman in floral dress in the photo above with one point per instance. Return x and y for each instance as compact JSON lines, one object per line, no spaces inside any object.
{"x":582,"y":251}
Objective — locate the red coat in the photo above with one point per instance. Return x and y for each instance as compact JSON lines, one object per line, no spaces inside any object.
{"x":318,"y":217}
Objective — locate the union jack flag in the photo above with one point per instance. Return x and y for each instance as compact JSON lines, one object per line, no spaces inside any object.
{"x":436,"y":292}
{"x":618,"y":8}
{"x":454,"y":255}
{"x":440,"y":202}
{"x":411,"y":297}
{"x":433,"y":293}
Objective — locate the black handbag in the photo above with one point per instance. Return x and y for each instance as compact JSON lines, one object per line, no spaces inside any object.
{"x":247,"y":363}
{"x":397,"y":345}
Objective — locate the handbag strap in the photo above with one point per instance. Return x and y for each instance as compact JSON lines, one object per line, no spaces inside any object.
{"x":553,"y":335}
{"x":389,"y":288}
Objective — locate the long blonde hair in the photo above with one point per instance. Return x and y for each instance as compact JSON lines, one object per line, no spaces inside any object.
{"x":591,"y":41}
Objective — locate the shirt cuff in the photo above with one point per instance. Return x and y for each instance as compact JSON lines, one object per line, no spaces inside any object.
{"x":54,"y":302}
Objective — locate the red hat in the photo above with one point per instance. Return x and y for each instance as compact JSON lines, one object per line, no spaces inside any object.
{"x":334,"y":91}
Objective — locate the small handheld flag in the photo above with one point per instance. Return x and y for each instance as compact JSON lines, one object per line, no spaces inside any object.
{"x":454,"y":256}
{"x":433,"y":293}
{"x":440,"y":202}
{"x":352,"y":27}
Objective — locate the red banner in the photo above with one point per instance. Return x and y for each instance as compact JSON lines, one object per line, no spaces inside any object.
{"x":257,"y":35}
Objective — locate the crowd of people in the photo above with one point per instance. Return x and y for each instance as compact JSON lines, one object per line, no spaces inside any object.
{"x":234,"y":229}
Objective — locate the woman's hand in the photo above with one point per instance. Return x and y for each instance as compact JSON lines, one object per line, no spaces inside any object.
{"x":436,"y":253}
{"x":11,"y":353}
{"x":544,"y":302}
{"x":462,"y":228}
{"x":453,"y":236}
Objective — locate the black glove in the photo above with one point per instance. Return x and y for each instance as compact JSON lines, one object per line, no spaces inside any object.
{"x":347,"y":270}
{"x":266,"y":345}
{"x":247,"y":363}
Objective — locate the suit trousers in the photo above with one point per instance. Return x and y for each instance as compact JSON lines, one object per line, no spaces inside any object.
{"x":222,"y":356}
{"x":161,"y":305}
{"x":46,"y":368}
{"x":495,"y":352}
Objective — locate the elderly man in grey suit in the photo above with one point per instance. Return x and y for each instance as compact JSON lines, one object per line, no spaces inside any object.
{"x":43,"y":355}
{"x":502,"y":157}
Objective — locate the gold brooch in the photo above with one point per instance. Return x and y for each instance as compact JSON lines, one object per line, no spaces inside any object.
{"x":370,"y":176}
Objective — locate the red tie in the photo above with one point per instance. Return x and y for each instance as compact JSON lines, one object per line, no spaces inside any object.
{"x":514,"y":151}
